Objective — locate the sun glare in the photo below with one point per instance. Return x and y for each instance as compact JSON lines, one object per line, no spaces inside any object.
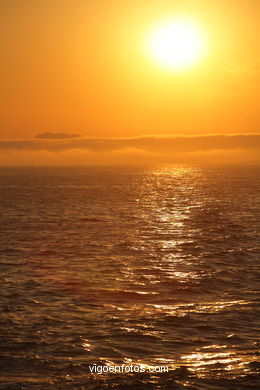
{"x":176,"y":44}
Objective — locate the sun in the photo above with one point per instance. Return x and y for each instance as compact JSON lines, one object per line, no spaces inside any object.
{"x":176,"y":44}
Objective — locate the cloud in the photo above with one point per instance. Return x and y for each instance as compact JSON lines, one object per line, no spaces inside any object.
{"x":56,"y":135}
{"x":152,"y":144}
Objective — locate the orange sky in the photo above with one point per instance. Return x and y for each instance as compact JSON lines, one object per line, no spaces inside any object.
{"x":80,"y":66}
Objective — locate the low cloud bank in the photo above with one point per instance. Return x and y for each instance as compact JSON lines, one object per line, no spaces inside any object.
{"x":151,"y":144}
{"x":68,"y":149}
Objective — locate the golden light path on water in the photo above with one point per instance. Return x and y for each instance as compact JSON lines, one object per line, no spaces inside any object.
{"x":158,"y":276}
{"x":216,"y":357}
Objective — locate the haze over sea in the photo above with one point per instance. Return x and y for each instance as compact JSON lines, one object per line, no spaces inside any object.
{"x":145,"y":266}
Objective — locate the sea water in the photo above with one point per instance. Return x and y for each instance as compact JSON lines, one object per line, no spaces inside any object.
{"x":149,"y":267}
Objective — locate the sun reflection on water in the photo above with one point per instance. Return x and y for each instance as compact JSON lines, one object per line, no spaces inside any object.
{"x":156,"y":287}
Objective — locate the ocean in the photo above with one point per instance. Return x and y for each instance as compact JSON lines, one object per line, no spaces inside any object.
{"x":151,"y":267}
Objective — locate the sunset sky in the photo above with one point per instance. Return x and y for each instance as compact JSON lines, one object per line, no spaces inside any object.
{"x":84,"y":67}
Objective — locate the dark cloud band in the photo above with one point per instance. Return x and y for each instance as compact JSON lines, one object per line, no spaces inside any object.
{"x":154,"y":144}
